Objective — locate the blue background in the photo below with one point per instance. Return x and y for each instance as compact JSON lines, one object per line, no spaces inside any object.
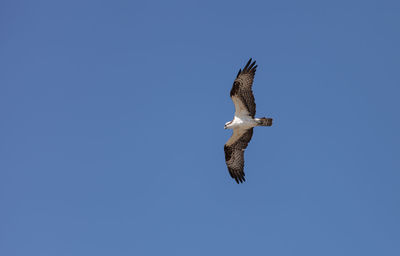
{"x":112,"y":116}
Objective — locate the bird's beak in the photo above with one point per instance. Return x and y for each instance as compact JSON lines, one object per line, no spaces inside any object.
{"x":225,"y":127}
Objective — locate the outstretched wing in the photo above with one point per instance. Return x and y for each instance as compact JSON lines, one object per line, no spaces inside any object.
{"x":234,"y":152}
{"x":241,"y":92}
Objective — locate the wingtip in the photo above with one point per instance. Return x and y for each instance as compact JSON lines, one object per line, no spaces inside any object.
{"x":240,"y":179}
{"x":240,"y":71}
{"x":249,"y":67}
{"x":246,"y":66}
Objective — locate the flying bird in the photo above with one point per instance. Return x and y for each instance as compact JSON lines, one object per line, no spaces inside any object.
{"x":243,"y":121}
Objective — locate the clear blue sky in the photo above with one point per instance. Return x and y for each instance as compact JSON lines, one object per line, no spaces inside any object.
{"x":112,"y":116}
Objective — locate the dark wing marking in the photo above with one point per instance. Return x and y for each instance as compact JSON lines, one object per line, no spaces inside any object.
{"x":234,"y":152}
{"x":242,"y":90}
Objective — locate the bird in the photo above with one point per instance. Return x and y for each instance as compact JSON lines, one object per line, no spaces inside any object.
{"x":243,"y":122}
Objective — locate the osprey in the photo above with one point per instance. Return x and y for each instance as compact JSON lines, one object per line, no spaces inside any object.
{"x":243,"y":121}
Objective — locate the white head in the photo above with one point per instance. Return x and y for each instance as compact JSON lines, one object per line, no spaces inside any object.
{"x":227,"y":125}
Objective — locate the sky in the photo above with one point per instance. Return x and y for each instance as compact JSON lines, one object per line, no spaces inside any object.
{"x":112,"y":116}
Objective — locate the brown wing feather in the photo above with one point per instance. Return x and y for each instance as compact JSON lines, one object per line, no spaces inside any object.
{"x":234,"y":153}
{"x":242,"y":87}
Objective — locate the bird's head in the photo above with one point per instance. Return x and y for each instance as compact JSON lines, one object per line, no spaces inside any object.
{"x":226,"y":126}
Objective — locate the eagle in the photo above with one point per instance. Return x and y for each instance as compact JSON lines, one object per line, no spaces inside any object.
{"x":243,"y":121}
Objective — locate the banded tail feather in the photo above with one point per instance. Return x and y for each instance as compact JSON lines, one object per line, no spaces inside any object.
{"x":264,"y":121}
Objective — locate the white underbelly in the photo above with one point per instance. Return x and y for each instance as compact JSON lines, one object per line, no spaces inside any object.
{"x":244,"y":122}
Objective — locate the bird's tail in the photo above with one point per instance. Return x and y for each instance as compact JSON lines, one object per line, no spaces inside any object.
{"x":264,"y":121}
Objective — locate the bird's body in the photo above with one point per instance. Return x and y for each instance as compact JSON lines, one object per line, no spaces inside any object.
{"x":243,"y":121}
